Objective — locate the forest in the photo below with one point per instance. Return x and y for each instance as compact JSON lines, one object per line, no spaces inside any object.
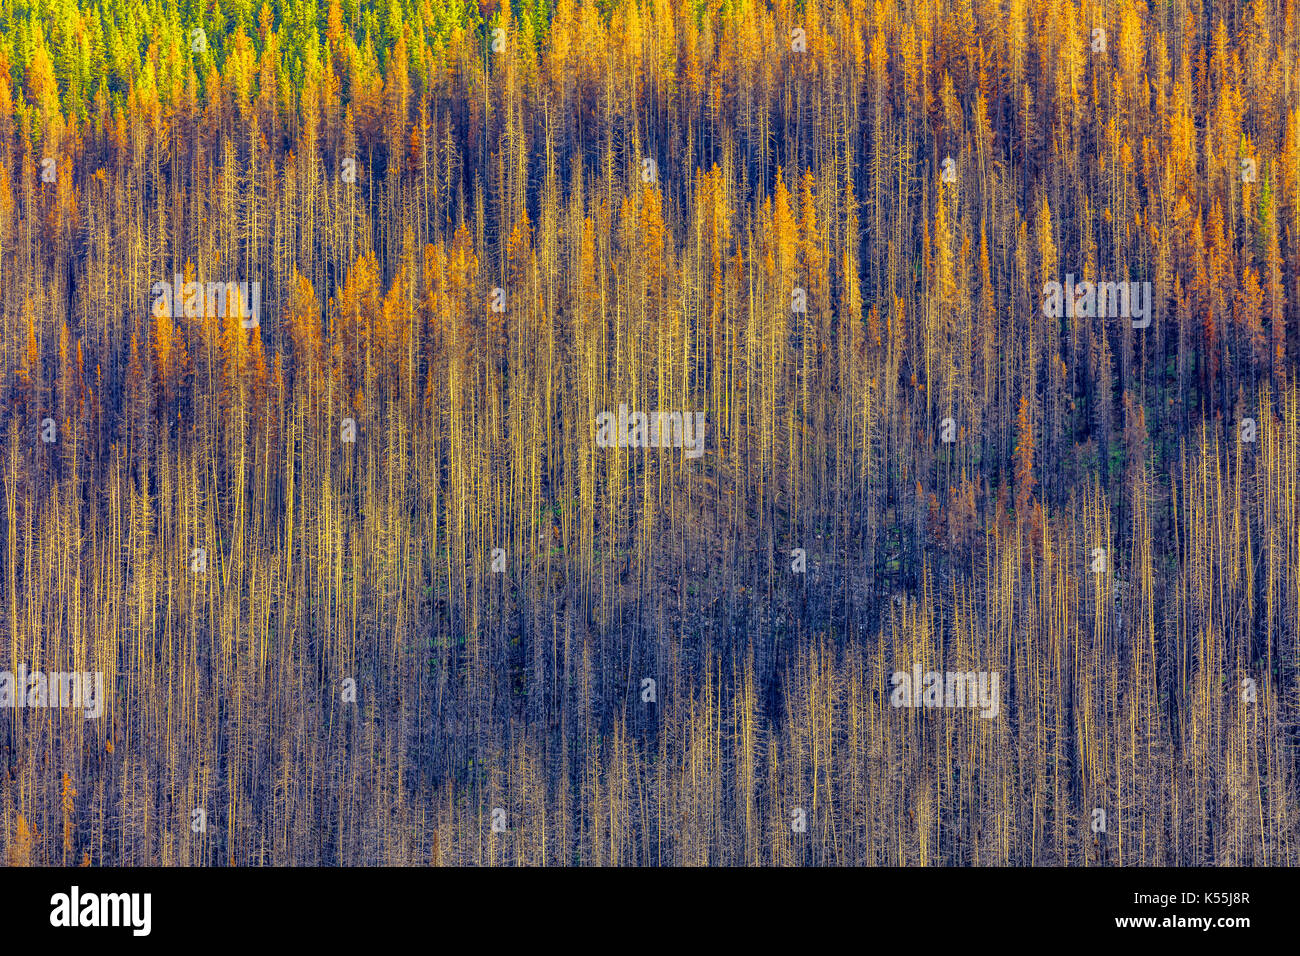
{"x":546,"y":433}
